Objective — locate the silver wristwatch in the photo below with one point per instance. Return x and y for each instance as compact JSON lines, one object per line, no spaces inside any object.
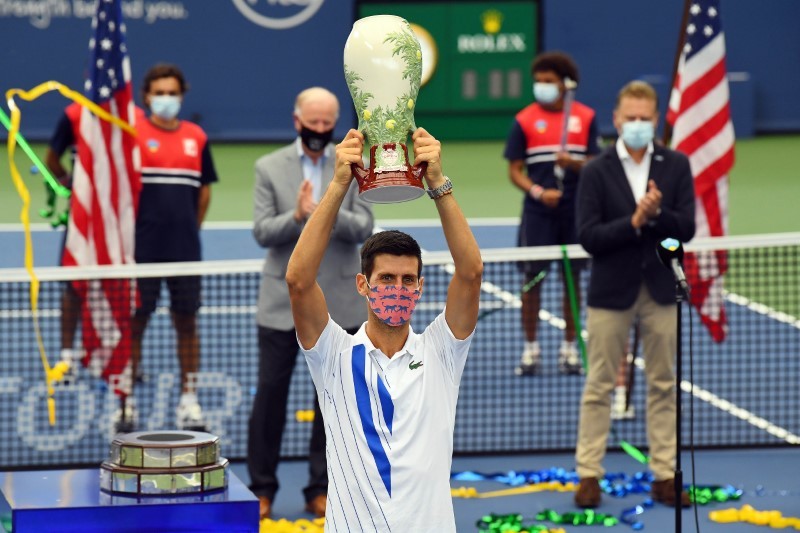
{"x":441,"y":190}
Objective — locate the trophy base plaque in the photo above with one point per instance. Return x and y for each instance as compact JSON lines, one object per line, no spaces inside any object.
{"x":393,"y":183}
{"x":391,"y":194}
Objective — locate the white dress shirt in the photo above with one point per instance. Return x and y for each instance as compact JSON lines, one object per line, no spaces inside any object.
{"x":313,"y":171}
{"x":637,"y":173}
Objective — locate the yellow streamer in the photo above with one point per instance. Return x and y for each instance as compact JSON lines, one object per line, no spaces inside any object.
{"x":304,"y":415}
{"x":287,"y":526}
{"x":314,"y":526}
{"x":747,"y":514}
{"x":554,"y":486}
{"x":56,"y":373}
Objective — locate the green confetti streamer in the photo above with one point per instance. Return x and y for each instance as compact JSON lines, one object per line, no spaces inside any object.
{"x":48,"y":177}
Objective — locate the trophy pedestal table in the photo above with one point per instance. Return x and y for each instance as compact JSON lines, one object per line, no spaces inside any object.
{"x":71,"y":501}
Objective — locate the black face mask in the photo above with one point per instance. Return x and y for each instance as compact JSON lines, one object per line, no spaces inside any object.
{"x":315,"y":141}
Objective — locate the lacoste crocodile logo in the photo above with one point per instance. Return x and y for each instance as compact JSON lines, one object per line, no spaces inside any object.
{"x":413,"y":366}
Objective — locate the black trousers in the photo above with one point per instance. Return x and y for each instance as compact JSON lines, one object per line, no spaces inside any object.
{"x":277,"y":355}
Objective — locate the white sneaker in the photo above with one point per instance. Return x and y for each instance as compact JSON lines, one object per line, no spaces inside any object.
{"x":72,"y":358}
{"x":569,"y":359}
{"x":189,"y":416}
{"x":618,"y":411}
{"x":530,"y":359}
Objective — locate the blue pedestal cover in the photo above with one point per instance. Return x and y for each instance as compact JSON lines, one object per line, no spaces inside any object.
{"x":71,"y":501}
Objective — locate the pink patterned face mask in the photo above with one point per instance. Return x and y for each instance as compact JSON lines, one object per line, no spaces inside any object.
{"x":392,"y":304}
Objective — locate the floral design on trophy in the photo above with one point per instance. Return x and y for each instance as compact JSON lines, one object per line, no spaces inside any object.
{"x":383,"y":70}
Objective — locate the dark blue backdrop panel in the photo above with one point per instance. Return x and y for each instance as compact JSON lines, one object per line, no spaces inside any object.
{"x":615,"y":42}
{"x":243,"y":76}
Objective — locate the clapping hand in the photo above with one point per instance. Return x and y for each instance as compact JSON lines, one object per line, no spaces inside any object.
{"x":649,"y":207}
{"x":305,"y":202}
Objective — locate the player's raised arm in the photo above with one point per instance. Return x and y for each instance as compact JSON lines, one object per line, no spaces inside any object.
{"x":309,"y":310}
{"x":463,"y":294}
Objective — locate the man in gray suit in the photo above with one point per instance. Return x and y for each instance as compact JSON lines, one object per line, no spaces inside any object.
{"x":289,"y":183}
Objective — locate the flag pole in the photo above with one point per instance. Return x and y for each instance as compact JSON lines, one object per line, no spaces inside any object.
{"x":681,"y":40}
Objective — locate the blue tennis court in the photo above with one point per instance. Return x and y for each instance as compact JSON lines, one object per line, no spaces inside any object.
{"x":499,"y":413}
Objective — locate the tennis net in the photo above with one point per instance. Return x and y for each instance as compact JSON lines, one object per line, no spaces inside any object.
{"x":745,"y":388}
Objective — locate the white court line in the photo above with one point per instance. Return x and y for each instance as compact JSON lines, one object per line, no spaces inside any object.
{"x":514,"y":302}
{"x":15,"y":227}
{"x":436,"y":223}
{"x":6,"y":314}
{"x":506,"y":298}
{"x":732,"y":409}
{"x":762,"y":309}
{"x":686,"y":386}
{"x":729,"y":407}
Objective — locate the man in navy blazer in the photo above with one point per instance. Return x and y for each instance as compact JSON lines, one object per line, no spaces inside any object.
{"x":630,"y":197}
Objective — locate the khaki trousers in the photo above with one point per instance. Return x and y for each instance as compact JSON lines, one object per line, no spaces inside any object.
{"x":609,"y":331}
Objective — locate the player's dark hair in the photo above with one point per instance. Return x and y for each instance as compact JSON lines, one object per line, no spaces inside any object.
{"x":390,"y":242}
{"x":559,"y":62}
{"x":163,"y":70}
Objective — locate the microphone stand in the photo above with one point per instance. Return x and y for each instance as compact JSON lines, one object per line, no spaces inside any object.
{"x":679,"y":298}
{"x":670,"y":254}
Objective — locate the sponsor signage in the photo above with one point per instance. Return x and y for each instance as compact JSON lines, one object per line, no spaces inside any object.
{"x":476,"y":68}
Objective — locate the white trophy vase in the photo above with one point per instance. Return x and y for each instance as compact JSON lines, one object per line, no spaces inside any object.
{"x":383,"y":69}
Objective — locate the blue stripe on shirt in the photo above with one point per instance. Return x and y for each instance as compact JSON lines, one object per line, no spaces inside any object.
{"x":386,"y":404}
{"x":339,"y":423}
{"x":365,"y":413}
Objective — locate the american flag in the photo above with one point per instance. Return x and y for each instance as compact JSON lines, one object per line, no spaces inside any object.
{"x":105,"y":192}
{"x":699,"y":113}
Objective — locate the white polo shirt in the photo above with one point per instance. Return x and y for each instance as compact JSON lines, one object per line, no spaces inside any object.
{"x":389,"y":425}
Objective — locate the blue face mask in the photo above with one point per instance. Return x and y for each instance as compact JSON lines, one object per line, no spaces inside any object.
{"x":545,"y":93}
{"x":165,"y":106}
{"x":637,"y":134}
